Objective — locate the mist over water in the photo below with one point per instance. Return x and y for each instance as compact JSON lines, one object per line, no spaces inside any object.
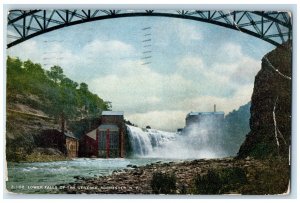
{"x":196,"y":141}
{"x":145,"y":142}
{"x":201,"y":140}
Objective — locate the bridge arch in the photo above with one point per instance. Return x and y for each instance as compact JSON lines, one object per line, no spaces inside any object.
{"x":273,"y":27}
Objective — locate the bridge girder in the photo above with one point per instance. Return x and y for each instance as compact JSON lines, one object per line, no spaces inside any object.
{"x":272,"y":26}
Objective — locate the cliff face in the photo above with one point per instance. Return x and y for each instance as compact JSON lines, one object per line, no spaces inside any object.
{"x":28,"y":132}
{"x":236,"y":126}
{"x":22,"y":129}
{"x":270,"y":120}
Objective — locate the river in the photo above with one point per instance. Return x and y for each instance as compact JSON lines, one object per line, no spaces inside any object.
{"x":40,"y":177}
{"x":149,"y":146}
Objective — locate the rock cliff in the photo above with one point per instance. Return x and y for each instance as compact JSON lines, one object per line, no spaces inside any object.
{"x":270,"y":120}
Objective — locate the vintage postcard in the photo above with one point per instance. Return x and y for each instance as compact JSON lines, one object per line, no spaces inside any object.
{"x":173,"y":102}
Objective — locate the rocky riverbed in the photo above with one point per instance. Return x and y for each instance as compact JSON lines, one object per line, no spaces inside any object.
{"x":222,"y":176}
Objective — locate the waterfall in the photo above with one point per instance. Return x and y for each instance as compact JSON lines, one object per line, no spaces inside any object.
{"x":145,"y":142}
{"x":195,"y":143}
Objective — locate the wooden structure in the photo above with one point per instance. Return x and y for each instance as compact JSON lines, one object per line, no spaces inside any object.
{"x":67,"y":143}
{"x":72,"y":145}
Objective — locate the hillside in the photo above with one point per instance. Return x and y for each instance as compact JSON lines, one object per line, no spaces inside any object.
{"x":50,"y":91}
{"x":38,"y":100}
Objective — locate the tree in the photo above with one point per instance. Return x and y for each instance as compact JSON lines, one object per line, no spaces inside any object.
{"x":58,"y":95}
{"x":67,"y":82}
{"x":64,"y":96}
{"x":14,"y":78}
{"x":83,"y":87}
{"x":56,"y":74}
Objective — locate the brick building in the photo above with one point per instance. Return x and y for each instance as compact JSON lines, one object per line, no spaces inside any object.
{"x":107,"y":140}
{"x":88,"y":144}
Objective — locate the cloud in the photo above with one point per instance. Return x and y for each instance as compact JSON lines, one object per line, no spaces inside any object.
{"x":230,"y":52}
{"x":46,"y":54}
{"x":170,"y":120}
{"x":164,"y":120}
{"x":165,"y":33}
{"x":191,"y":64}
{"x":108,"y":49}
{"x":188,"y":33}
{"x":149,"y":97}
{"x":26,"y":50}
{"x":227,"y":83}
{"x":163,"y":100}
{"x":138,"y":88}
{"x":235,"y":65}
{"x":232,"y":66}
{"x":95,"y":58}
{"x":241,"y":96}
{"x":193,"y":67}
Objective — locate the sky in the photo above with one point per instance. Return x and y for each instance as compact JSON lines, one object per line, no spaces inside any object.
{"x":194,"y":65}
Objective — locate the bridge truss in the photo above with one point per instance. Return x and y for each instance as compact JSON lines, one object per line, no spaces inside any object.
{"x":271,"y":26}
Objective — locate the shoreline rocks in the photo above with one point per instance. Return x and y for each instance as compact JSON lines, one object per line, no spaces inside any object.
{"x":269,"y":176}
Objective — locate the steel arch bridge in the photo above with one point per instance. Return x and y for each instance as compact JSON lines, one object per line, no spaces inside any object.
{"x":271,"y":26}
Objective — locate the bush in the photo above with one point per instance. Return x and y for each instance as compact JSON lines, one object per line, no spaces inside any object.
{"x":207,"y":184}
{"x":163,"y":183}
{"x":273,"y":178}
{"x":220,"y":181}
{"x":18,"y":148}
{"x":38,"y":157}
{"x":233,"y":176}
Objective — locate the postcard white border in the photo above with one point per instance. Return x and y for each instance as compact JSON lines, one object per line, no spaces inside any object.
{"x":157,"y":4}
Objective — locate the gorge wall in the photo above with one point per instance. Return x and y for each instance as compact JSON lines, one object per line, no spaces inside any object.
{"x":271,"y":107}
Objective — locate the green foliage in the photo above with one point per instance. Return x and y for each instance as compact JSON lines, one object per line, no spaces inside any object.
{"x":58,"y":95}
{"x":38,"y":157}
{"x":207,"y":184}
{"x":219,"y":181}
{"x":15,"y":152}
{"x":55,"y":74}
{"x":234,"y":175}
{"x":163,"y":183}
{"x":17,"y":149}
{"x":272,"y":178}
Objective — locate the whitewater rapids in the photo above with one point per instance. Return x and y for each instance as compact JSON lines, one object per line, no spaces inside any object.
{"x":152,"y":143}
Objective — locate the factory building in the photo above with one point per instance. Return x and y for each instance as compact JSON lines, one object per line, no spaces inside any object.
{"x":212,"y":122}
{"x":107,"y":140}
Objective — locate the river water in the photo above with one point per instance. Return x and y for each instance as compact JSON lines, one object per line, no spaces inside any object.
{"x":40,"y":177}
{"x":148,"y":145}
